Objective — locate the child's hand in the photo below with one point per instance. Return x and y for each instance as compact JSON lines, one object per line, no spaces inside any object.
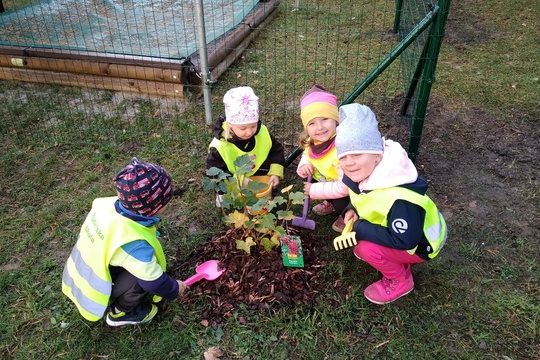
{"x":307,"y":187}
{"x":305,"y":170}
{"x":246,"y":182}
{"x":181,"y":287}
{"x":274,"y":180}
{"x":350,"y":214}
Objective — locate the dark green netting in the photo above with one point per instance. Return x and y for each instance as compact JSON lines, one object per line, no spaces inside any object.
{"x":158,"y":28}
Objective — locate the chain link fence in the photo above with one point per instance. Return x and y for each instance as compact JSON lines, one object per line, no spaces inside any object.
{"x":131,"y":74}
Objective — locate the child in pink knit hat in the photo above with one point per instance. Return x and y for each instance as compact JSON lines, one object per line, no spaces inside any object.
{"x":319,"y":114}
{"x":239,"y":131}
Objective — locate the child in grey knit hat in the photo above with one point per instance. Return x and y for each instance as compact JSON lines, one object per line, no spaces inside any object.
{"x":395,"y":222}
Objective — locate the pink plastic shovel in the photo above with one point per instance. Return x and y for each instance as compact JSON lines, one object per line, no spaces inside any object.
{"x":208,"y":270}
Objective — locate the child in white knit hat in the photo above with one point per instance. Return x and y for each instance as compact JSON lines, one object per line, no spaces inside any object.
{"x":319,"y":114}
{"x":239,"y":131}
{"x":396,"y":223}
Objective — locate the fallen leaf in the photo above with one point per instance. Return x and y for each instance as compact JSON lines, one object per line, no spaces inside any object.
{"x":245,"y":245}
{"x":213,"y":353}
{"x":204,"y":323}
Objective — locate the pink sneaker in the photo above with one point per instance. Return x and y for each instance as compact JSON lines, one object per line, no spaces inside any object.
{"x":323,"y":208}
{"x":387,"y":290}
{"x":339,"y":224}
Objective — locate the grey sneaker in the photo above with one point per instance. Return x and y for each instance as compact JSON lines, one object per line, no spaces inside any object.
{"x":142,"y":314}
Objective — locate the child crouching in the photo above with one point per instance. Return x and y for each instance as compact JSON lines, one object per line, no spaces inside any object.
{"x":396,"y":223}
{"x":118,"y":260}
{"x":319,"y":114}
{"x":239,"y":131}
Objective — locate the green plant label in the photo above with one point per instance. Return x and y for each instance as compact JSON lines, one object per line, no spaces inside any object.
{"x":291,"y":251}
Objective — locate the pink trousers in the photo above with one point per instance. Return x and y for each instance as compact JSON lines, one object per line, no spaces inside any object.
{"x":392,"y":263}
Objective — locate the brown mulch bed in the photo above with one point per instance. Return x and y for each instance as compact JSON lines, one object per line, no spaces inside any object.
{"x":256,"y":280}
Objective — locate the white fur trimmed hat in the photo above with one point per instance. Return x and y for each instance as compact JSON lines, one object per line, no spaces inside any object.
{"x":358,"y":131}
{"x":241,"y":106}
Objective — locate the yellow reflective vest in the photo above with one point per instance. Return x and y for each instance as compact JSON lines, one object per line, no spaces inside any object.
{"x":86,"y":279}
{"x":229,"y":152}
{"x":326,"y":167}
{"x":375,"y":205}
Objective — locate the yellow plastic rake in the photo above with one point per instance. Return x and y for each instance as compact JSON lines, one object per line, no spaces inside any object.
{"x":347,"y":237}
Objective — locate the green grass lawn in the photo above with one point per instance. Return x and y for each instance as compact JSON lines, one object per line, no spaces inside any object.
{"x":478,"y":300}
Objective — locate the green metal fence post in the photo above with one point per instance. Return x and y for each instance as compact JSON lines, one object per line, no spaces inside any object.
{"x":414,"y":81}
{"x":289,"y":159}
{"x":436,"y":37}
{"x":397,"y":18}
{"x":400,"y":47}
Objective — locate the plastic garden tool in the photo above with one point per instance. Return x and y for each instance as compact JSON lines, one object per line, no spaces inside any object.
{"x":347,"y":237}
{"x":208,"y":270}
{"x":304,"y":221}
{"x":267,"y":191}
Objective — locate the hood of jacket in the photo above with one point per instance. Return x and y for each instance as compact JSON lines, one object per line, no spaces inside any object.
{"x":395,"y":169}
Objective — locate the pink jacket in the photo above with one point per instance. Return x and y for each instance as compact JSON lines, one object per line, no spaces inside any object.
{"x":325,"y":190}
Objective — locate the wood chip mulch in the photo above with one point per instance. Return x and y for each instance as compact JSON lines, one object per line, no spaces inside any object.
{"x":256,"y":280}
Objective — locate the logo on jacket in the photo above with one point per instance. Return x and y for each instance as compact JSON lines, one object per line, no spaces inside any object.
{"x":399,"y":226}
